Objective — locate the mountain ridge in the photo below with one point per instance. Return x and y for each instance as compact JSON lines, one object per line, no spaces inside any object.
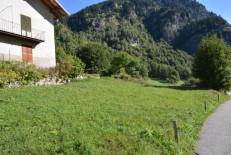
{"x":162,"y":19}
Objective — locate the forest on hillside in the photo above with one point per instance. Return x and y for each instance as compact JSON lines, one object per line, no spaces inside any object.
{"x":140,"y":38}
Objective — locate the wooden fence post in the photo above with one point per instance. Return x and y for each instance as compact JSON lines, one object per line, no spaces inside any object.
{"x":176,"y":134}
{"x":205,"y":105}
{"x":218,"y":97}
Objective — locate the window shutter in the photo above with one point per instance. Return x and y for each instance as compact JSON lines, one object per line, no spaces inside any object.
{"x":25,"y":23}
{"x":28,"y":24}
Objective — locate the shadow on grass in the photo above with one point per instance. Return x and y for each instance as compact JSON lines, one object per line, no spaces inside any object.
{"x":159,"y":83}
{"x":177,"y":87}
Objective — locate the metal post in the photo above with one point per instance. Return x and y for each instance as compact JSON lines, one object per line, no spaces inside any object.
{"x":12,"y":19}
{"x":9,"y":54}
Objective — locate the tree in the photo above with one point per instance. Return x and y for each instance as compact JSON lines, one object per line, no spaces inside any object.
{"x":212,"y":63}
{"x":96,"y":56}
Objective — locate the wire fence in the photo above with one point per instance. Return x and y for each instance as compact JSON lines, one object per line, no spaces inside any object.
{"x":2,"y":57}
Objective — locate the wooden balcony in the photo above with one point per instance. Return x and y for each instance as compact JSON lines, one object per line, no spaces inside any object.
{"x":14,"y":30}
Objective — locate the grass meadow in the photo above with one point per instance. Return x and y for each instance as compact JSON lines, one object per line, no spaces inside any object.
{"x":102,"y":117}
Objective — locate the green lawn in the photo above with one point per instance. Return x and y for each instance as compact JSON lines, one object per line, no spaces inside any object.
{"x":101,"y":116}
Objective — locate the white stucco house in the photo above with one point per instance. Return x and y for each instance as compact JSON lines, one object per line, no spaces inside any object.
{"x":27,"y":30}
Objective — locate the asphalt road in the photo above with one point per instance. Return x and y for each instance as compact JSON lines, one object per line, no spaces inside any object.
{"x":215,"y":137}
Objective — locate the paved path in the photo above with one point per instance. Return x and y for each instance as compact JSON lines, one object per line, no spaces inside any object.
{"x":215,"y":137}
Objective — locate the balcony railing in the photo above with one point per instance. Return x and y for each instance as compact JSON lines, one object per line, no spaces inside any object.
{"x":14,"y":29}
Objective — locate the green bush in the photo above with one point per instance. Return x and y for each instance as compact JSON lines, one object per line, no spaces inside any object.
{"x":164,"y":72}
{"x":173,"y":79}
{"x":3,"y":82}
{"x":26,"y":74}
{"x":184,"y":72}
{"x":7,"y":75}
{"x":70,"y":67}
{"x":192,"y":82}
{"x":126,"y":77}
{"x":130,"y":65}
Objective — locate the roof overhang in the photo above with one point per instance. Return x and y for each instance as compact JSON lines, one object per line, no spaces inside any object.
{"x":56,"y":8}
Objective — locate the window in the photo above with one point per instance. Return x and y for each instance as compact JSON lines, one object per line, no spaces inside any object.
{"x":26,"y":25}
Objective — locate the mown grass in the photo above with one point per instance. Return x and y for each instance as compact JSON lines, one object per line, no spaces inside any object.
{"x":101,"y":116}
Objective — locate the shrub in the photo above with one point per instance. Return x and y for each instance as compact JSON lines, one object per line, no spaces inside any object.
{"x":184,"y":72}
{"x":3,"y":81}
{"x":70,"y":67}
{"x":25,"y":74}
{"x":130,"y":65}
{"x":124,"y":76}
{"x":173,"y":79}
{"x":7,"y":75}
{"x":164,"y":72}
{"x":192,"y":82}
{"x":11,"y":76}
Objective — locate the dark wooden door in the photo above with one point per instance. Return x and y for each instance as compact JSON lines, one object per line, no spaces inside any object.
{"x":27,"y":54}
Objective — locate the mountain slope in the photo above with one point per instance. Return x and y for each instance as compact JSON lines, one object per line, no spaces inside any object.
{"x":157,"y":32}
{"x":182,"y":23}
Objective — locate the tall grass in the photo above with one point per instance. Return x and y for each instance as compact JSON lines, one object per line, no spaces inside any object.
{"x":101,"y":116}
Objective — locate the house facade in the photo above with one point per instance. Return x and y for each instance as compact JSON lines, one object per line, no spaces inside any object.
{"x":27,"y":30}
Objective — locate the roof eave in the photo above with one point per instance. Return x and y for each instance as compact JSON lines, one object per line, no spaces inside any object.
{"x":56,"y":8}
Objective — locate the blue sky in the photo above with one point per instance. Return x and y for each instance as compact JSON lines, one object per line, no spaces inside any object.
{"x":73,"y":6}
{"x":220,"y":7}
